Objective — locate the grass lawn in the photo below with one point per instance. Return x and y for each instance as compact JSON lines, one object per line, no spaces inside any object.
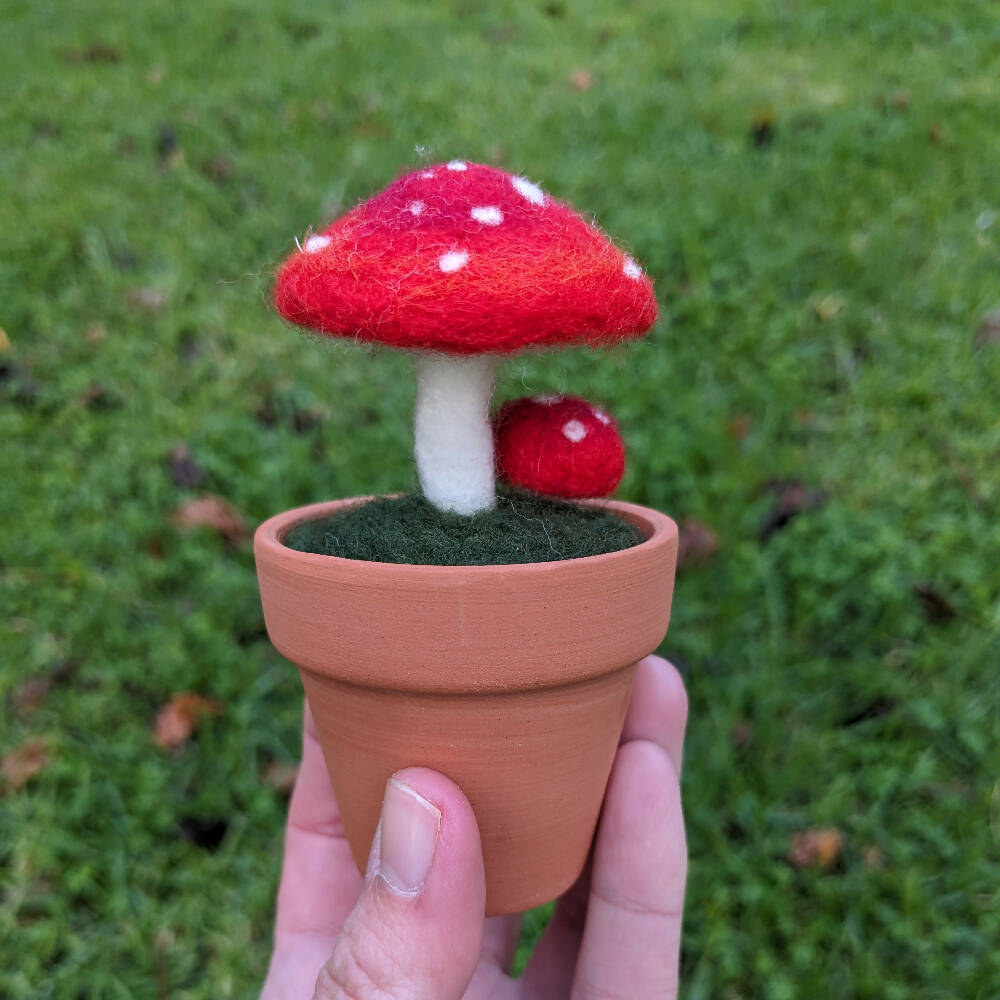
{"x":814,"y":188}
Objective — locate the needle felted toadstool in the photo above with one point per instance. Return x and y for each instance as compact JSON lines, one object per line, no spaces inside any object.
{"x":462,"y":263}
{"x":559,"y":446}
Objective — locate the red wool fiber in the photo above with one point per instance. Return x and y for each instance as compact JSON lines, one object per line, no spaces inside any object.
{"x":561,"y":446}
{"x":465,"y":259}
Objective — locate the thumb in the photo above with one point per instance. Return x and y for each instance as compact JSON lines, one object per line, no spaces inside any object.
{"x":416,"y":932}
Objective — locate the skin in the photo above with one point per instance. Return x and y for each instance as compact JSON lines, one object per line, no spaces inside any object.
{"x":615,"y":934}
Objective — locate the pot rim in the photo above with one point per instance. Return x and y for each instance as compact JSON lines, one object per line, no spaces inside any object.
{"x":653,"y":525}
{"x":479,"y":628}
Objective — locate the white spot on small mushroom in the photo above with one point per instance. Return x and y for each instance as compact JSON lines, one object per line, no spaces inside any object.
{"x":601,"y":416}
{"x":488,"y":215}
{"x":416,"y":208}
{"x":316,"y":243}
{"x":458,"y":165}
{"x":528,"y":190}
{"x":574,"y":431}
{"x":453,"y":261}
{"x":631,"y":269}
{"x":547,"y":399}
{"x":428,"y":175}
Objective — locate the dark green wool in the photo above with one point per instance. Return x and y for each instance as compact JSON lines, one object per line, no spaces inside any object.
{"x":521,"y":529}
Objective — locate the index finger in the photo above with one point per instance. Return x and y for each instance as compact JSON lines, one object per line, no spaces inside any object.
{"x":319,"y":879}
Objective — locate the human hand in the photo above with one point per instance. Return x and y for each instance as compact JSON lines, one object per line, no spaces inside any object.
{"x":413,"y":928}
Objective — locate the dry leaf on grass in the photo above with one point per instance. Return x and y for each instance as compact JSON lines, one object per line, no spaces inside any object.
{"x":936,"y":606}
{"x":899,"y":100}
{"x":184,"y":470}
{"x":817,"y":848}
{"x":988,"y":331}
{"x":280,"y":775}
{"x":21,"y":764}
{"x":29,"y":695}
{"x":146,"y":299}
{"x":827,"y":307}
{"x":873,"y":856}
{"x":791,"y":498}
{"x":740,"y":426}
{"x":177,"y":720}
{"x":96,"y":333}
{"x":697,"y":543}
{"x":211,"y":512}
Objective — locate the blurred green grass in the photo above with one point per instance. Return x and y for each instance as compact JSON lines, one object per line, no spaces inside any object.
{"x":813,"y":187}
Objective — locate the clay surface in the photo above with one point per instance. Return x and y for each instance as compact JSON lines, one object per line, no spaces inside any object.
{"x":511,"y":680}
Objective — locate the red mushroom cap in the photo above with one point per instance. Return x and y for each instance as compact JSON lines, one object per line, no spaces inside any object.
{"x":562,"y":446}
{"x":465,"y":259}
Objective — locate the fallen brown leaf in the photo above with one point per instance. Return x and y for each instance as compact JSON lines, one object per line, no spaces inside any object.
{"x":581,"y":79}
{"x":213,"y":512}
{"x":147,"y":299}
{"x":899,"y":100}
{"x":280,"y":775}
{"x":873,"y":856}
{"x":184,"y":470}
{"x":29,"y":695}
{"x":827,"y":307}
{"x":95,"y":333}
{"x":96,"y":52}
{"x":818,"y":848}
{"x":21,"y":764}
{"x":762,"y":128}
{"x":95,"y":396}
{"x":988,"y":331}
{"x":936,"y":606}
{"x":177,"y":720}
{"x":218,"y":169}
{"x":741,"y":734}
{"x":697,"y":543}
{"x":739,"y":426}
{"x":791,"y":498}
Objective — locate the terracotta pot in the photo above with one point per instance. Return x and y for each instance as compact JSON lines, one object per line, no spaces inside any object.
{"x":511,"y":680}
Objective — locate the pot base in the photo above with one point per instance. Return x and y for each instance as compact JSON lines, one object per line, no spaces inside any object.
{"x":533,"y":764}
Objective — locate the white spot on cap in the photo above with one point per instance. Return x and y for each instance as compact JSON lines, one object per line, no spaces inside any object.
{"x":458,"y":165}
{"x":316,"y":243}
{"x":528,"y":190}
{"x":574,"y":431}
{"x":488,"y":215}
{"x":416,"y":208}
{"x":427,"y":175}
{"x":631,"y":269}
{"x":453,"y":261}
{"x":601,"y":416}
{"x":547,"y":399}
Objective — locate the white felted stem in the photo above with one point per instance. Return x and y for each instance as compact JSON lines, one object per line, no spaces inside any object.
{"x":453,"y":440}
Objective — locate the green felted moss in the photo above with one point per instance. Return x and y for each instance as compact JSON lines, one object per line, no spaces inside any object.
{"x":521,"y":529}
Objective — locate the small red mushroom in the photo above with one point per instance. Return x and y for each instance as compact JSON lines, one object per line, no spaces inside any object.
{"x":561,"y":446}
{"x":461,"y":264}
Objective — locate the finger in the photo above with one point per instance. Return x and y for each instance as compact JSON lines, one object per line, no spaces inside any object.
{"x":658,"y":709}
{"x":491,"y":978}
{"x":319,"y":879}
{"x":417,"y":929}
{"x":500,"y":937}
{"x":631,"y":941}
{"x":657,"y":712}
